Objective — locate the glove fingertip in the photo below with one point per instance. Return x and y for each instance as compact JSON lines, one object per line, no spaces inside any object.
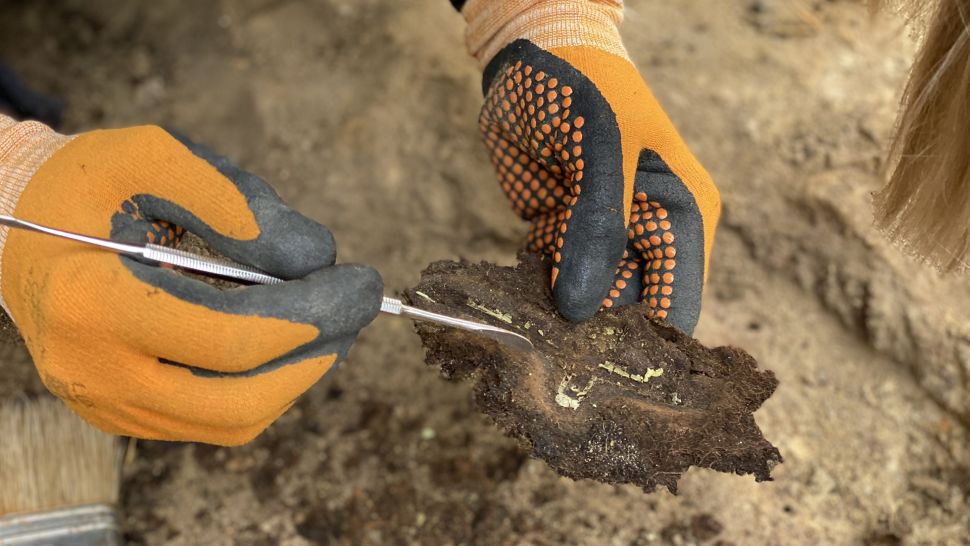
{"x":581,"y":285}
{"x":683,"y":322}
{"x":369,"y":284}
{"x":575,"y":309}
{"x":353,"y":292}
{"x":289,"y":245}
{"x":591,"y":247}
{"x":298,"y":245}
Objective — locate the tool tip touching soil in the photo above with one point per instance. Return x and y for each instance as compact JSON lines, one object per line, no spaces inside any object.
{"x":618,"y":398}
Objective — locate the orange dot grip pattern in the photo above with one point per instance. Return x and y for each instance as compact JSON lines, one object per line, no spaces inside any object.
{"x":536,"y":147}
{"x":536,"y":144}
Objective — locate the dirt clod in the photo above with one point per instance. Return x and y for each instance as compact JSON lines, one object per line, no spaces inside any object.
{"x":618,"y":398}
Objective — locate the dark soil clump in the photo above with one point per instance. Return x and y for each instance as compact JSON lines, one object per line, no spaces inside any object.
{"x":618,"y":398}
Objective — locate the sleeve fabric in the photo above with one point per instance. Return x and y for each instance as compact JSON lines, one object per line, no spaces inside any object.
{"x":24,"y":147}
{"x":549,"y":24}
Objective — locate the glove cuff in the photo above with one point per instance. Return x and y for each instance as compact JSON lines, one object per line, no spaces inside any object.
{"x":549,"y":24}
{"x":24,"y":147}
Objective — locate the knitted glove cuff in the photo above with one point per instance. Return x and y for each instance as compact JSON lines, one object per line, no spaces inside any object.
{"x":550,"y":24}
{"x":24,"y":147}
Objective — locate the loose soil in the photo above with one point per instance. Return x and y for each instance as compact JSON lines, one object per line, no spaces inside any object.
{"x":617,"y":399}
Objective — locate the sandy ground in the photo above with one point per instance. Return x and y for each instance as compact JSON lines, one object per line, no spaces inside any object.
{"x":362,"y":113}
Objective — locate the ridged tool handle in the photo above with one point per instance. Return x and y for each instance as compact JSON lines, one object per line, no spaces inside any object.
{"x":391,"y":306}
{"x":211,"y":266}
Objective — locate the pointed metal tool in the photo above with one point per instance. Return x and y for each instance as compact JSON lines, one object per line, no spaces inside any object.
{"x":244,"y":273}
{"x":505,"y":337}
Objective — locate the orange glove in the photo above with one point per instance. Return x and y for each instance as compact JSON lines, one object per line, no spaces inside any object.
{"x":144,"y":351}
{"x":587,"y":155}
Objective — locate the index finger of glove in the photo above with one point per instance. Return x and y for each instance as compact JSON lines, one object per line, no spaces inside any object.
{"x":589,"y":245}
{"x":234,"y":211}
{"x":544,"y":116}
{"x":254,"y":329}
{"x":592,"y":234}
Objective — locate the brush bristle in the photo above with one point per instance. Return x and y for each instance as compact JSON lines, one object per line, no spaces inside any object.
{"x":50,"y":458}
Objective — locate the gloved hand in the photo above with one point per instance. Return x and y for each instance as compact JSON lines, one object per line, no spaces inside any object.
{"x":587,"y":155}
{"x":144,"y":351}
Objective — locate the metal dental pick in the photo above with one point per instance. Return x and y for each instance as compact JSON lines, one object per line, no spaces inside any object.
{"x":244,"y":273}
